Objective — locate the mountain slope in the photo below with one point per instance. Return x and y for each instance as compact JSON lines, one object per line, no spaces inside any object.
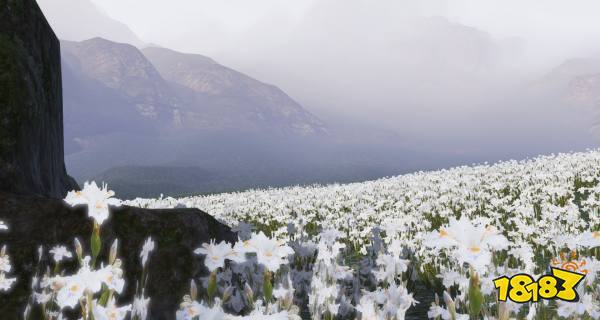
{"x":163,"y":108}
{"x":228,"y":91}
{"x":585,"y":89}
{"x":559,"y":80}
{"x":575,"y":83}
{"x":184,"y":92}
{"x":124,"y":69}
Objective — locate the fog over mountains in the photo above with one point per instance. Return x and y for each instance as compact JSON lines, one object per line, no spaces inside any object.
{"x":81,"y":20}
{"x":298,"y":97}
{"x":187,"y":92}
{"x":166,"y":117}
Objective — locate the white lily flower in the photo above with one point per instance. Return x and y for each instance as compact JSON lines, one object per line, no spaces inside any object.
{"x":111,"y":311}
{"x":270,"y":252}
{"x":60,"y":253}
{"x":471,"y":242}
{"x":146,"y":249}
{"x":75,"y":286}
{"x":71,"y":293}
{"x":589,"y":239}
{"x":97,"y":200}
{"x":5,"y":265}
{"x":215,"y":254}
{"x":112,"y":277}
{"x":6,"y":283}
{"x":140,"y":307}
{"x":436,"y":311}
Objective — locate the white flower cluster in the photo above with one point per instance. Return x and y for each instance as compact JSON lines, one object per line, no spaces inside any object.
{"x":92,"y":290}
{"x":324,"y":287}
{"x":6,"y":283}
{"x":360,"y":249}
{"x":391,"y":300}
{"x":269,"y":253}
{"x":460,"y":228}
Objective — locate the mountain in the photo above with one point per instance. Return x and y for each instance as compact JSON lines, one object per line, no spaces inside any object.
{"x":564,"y":80}
{"x":181,"y":91}
{"x":84,"y":20}
{"x":575,"y":84}
{"x":571,"y":89}
{"x":223,"y":90}
{"x":125,"y":71}
{"x":157,"y":107}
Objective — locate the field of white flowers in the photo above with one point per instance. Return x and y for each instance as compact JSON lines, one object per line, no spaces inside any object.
{"x":362,"y":250}
{"x":455,"y":230}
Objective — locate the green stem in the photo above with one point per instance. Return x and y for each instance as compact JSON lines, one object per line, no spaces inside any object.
{"x":96,"y":244}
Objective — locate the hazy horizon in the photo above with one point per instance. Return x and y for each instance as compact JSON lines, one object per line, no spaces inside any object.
{"x":280,"y":43}
{"x":467,"y":80}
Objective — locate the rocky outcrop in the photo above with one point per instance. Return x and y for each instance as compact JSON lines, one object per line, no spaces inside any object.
{"x":177,"y":232}
{"x":31,"y":130}
{"x":33,"y":175}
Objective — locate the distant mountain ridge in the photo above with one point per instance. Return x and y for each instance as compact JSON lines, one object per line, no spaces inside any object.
{"x":575,"y":82}
{"x":177,"y":90}
{"x":125,"y":70}
{"x":224,"y":90}
{"x":157,"y":107}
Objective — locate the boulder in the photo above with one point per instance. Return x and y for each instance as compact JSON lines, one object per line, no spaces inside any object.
{"x":35,"y":221}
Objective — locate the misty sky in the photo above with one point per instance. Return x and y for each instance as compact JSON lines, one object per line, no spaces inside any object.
{"x":563,"y":27}
{"x":456,"y":75}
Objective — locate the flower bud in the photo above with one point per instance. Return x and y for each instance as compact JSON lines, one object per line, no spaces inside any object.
{"x":227,"y":294}
{"x":503,"y":311}
{"x":78,"y":249}
{"x":450,"y":305}
{"x":476,"y":298}
{"x":248,"y":292}
{"x":193,"y":290}
{"x":113,"y":252}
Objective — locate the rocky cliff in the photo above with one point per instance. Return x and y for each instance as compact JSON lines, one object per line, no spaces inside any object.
{"x":33,"y":175}
{"x":31,"y":134}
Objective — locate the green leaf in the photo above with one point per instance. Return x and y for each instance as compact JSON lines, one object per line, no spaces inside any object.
{"x":104,"y":297}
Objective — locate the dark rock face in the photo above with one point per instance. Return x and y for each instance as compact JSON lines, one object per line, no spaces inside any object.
{"x":32,"y":173}
{"x":31,"y":130}
{"x":176,"y":232}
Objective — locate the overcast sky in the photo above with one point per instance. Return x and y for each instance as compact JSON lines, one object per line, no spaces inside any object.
{"x":575,"y":23}
{"x":454,"y":73}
